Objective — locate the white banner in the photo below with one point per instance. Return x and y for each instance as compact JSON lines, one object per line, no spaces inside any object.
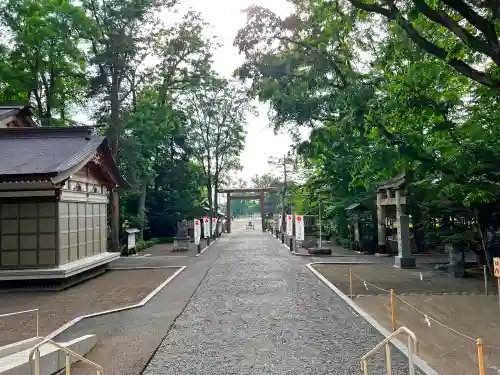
{"x":299,"y":228}
{"x":197,"y":231}
{"x":206,"y":227}
{"x":289,"y":223}
{"x":214,"y":225}
{"x":280,"y":222}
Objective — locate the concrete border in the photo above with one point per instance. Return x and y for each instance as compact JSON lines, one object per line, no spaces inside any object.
{"x":420,"y":363}
{"x":141,"y":268}
{"x":322,"y":256}
{"x":332,"y":257}
{"x":158,"y":256}
{"x":279,"y":241}
{"x":206,"y":247}
{"x":307,"y":255}
{"x":119,"y":309}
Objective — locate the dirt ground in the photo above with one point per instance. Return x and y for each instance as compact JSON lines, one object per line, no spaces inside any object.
{"x":422,"y":280}
{"x":111,"y":290}
{"x":469,"y":312}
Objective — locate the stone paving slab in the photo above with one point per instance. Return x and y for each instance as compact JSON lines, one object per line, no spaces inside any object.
{"x":260,"y":311}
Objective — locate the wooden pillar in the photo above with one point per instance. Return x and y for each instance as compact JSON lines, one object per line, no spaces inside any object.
{"x":262,"y":211}
{"x":228,"y":212}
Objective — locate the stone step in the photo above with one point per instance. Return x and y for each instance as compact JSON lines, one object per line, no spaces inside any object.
{"x":19,"y":346}
{"x":52,"y":359}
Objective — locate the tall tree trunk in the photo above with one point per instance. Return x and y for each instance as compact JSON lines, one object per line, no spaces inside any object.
{"x":141,"y":208}
{"x":115,"y":132}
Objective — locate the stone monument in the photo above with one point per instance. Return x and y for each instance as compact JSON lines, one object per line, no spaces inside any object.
{"x":182,"y":239}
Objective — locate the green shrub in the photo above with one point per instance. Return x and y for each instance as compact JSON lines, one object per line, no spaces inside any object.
{"x":139,"y":246}
{"x":346,"y":243}
{"x":158,"y":240}
{"x":126,"y":252}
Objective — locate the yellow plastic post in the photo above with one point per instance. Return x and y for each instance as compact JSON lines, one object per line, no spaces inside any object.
{"x":480,"y":356}
{"x":350,"y":283}
{"x":393,"y":310}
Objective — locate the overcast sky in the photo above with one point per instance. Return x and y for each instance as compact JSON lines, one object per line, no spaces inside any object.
{"x":226,"y":18}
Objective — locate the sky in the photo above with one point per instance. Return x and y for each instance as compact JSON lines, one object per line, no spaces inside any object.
{"x":226,"y":18}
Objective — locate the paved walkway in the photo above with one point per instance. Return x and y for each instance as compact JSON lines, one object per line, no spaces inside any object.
{"x":258,"y":310}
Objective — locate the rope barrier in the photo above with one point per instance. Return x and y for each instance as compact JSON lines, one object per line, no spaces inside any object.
{"x":372,"y":285}
{"x":427,"y":317}
{"x":430,"y":318}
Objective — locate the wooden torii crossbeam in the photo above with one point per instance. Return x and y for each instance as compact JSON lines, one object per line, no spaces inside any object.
{"x":260,"y":196}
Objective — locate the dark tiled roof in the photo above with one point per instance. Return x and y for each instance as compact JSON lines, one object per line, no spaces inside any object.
{"x":17,"y":110}
{"x":10,"y":110}
{"x":44,"y":151}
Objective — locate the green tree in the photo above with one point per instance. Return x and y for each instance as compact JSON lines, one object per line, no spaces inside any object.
{"x":152,"y":122}
{"x":43,"y":60}
{"x":216,"y":114}
{"x":372,"y":117}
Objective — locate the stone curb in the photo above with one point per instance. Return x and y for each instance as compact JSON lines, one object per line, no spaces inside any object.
{"x":206,"y":247}
{"x":326,"y":256}
{"x":420,"y":363}
{"x":105,"y":312}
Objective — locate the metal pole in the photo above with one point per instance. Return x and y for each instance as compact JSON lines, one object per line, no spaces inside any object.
{"x":68,"y":364}
{"x":393,"y":310}
{"x":498,"y":281}
{"x":37,"y":361}
{"x":320,"y":232}
{"x":485,"y":280}
{"x":411,"y":364}
{"x":37,"y":323}
{"x":388,"y":365}
{"x":283,"y":218}
{"x":364,"y":367}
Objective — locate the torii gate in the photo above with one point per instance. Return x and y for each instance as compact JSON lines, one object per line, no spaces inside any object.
{"x":259,"y":195}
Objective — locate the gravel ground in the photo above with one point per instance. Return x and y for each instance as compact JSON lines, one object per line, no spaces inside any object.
{"x":108,"y":291}
{"x":260,"y":311}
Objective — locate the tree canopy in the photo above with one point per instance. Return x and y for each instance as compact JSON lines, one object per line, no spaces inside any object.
{"x":146,"y":84}
{"x":384,"y":88}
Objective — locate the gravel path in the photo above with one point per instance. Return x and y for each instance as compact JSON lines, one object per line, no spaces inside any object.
{"x":260,"y":311}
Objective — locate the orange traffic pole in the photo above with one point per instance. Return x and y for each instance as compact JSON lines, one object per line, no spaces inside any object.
{"x":350,"y":283}
{"x":480,"y":356}
{"x":393,"y":309}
